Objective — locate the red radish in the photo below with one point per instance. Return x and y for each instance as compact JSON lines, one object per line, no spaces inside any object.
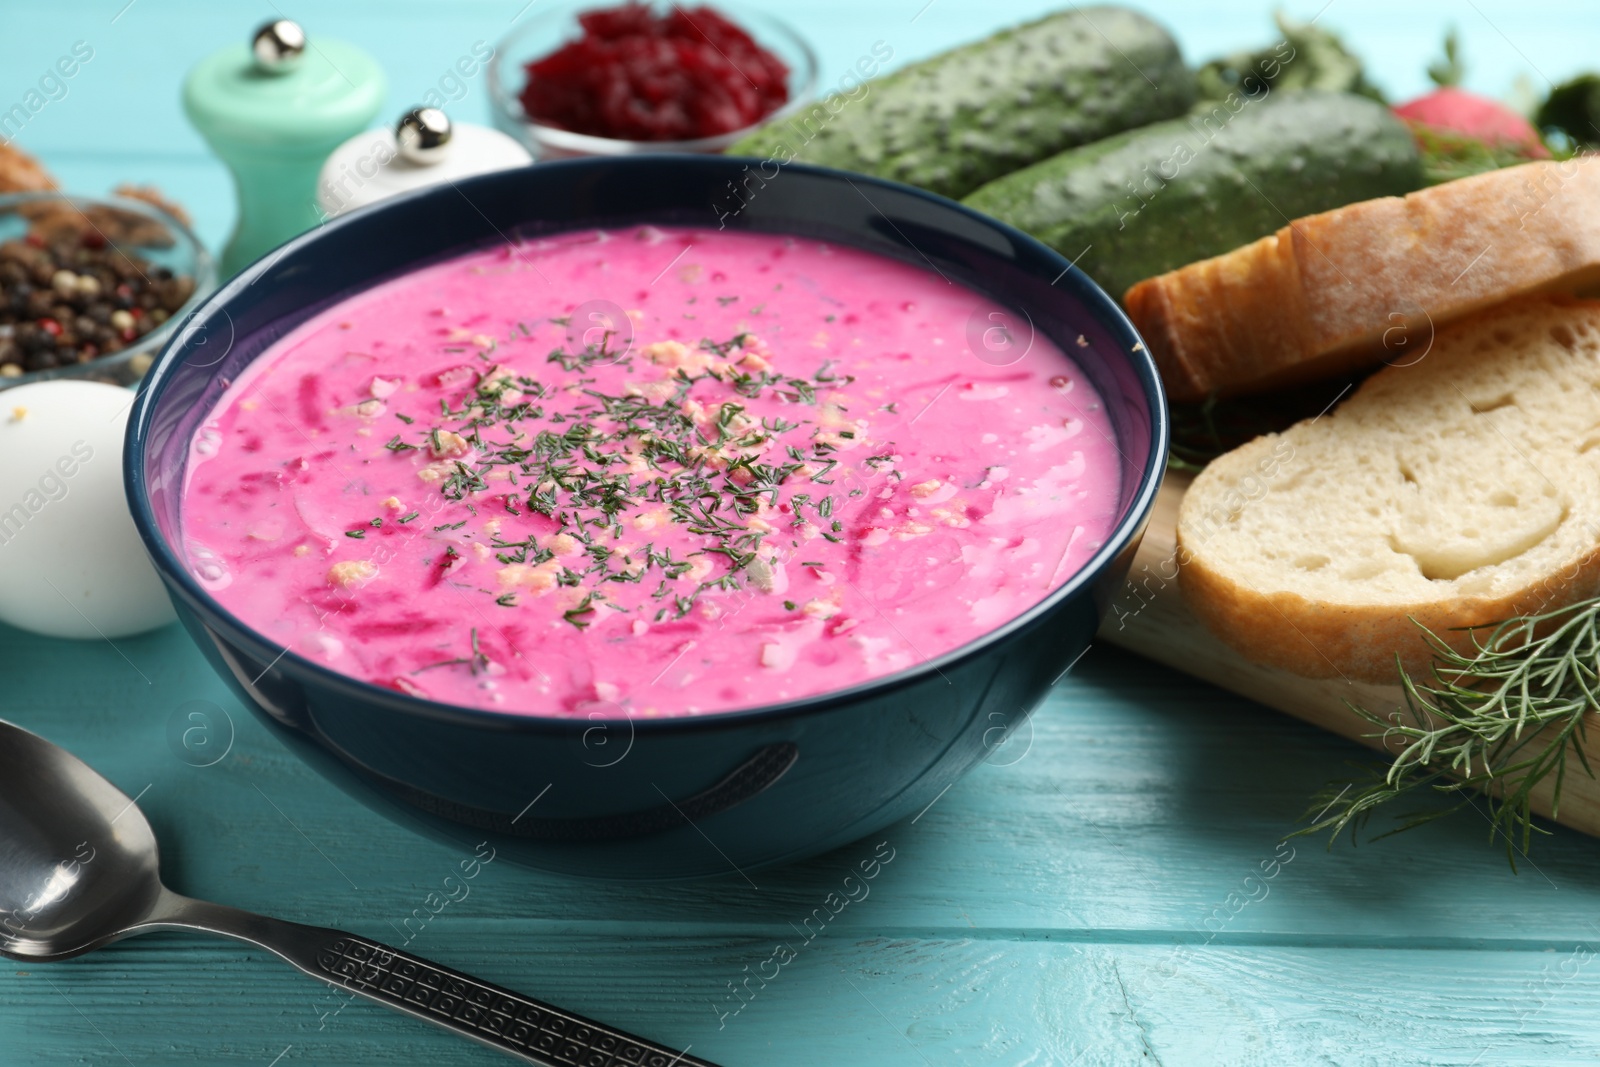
{"x":1456,"y":110}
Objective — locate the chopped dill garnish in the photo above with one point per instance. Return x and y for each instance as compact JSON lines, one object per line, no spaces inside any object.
{"x":478,"y":662}
{"x":715,"y":469}
{"x":580,"y":615}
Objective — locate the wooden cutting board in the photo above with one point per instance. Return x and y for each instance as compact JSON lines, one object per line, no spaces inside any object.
{"x":1152,"y":620}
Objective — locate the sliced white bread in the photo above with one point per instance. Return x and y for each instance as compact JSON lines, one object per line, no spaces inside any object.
{"x":1458,"y":490}
{"x":1351,"y":287}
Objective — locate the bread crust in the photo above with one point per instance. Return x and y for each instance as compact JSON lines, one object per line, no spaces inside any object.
{"x":1356,"y":642}
{"x":1370,"y":282}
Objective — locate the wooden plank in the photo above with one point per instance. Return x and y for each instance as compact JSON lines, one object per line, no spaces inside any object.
{"x":1123,"y":826}
{"x":1151,"y":619}
{"x":886,"y":1001}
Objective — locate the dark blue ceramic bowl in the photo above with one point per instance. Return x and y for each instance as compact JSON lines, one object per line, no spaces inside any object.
{"x":661,"y":798}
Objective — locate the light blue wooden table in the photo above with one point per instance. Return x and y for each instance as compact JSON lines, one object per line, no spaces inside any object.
{"x":1111,"y":889}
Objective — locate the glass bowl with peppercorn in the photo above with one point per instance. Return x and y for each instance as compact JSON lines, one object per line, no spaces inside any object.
{"x":590,"y":79}
{"x":92,"y":288}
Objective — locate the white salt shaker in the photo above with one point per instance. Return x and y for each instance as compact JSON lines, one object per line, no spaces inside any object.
{"x":424,"y":148}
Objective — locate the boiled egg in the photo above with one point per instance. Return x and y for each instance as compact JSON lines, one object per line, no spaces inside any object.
{"x":71,"y":562}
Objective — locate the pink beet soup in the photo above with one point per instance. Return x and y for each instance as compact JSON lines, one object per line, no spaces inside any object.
{"x":647,"y":473}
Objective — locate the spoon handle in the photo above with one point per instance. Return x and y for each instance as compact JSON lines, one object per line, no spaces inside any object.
{"x":520,"y":1026}
{"x":498,"y":1017}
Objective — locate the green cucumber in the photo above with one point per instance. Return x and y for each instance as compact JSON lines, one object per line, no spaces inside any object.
{"x":1146,"y":201}
{"x":951,"y":123}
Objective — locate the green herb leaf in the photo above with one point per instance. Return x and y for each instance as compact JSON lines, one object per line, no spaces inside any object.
{"x":478,"y":661}
{"x":580,"y":615}
{"x":1502,"y":717}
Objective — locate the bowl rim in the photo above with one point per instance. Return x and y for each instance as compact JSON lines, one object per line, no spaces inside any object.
{"x":1082,"y":288}
{"x":205,"y":282}
{"x":507,"y":107}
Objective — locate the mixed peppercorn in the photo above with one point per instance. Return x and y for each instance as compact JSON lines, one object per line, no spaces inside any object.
{"x":74,"y":298}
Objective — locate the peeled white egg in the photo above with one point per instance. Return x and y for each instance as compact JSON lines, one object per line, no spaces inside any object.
{"x":71,"y":562}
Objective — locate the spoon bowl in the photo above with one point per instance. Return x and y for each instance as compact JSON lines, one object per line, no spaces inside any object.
{"x":78,"y":861}
{"x":80,"y":868}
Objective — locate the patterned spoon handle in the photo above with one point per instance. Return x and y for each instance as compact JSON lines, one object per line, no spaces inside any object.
{"x":498,"y":1017}
{"x":520,"y":1026}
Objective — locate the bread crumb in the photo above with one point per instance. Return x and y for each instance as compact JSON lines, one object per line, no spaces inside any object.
{"x":820,"y":609}
{"x":763,"y":575}
{"x":537,"y":579}
{"x":447,"y":444}
{"x":351,"y":573}
{"x":563,"y":545}
{"x":650,"y":520}
{"x":675,"y":355}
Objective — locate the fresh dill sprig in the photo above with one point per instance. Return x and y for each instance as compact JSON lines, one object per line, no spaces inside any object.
{"x":1501,"y":718}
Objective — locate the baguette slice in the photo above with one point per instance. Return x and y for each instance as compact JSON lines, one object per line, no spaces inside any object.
{"x":1460,"y":490}
{"x":1345,"y":289}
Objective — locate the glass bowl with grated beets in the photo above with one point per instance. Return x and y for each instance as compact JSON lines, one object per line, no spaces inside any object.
{"x":92,"y":288}
{"x":587,"y":79}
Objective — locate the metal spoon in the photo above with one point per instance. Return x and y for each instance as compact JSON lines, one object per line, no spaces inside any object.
{"x":79,"y":869}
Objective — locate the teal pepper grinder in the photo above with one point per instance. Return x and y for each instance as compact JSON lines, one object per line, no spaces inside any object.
{"x":273,"y":110}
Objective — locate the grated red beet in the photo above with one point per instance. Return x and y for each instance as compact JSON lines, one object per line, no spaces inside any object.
{"x":639,"y":76}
